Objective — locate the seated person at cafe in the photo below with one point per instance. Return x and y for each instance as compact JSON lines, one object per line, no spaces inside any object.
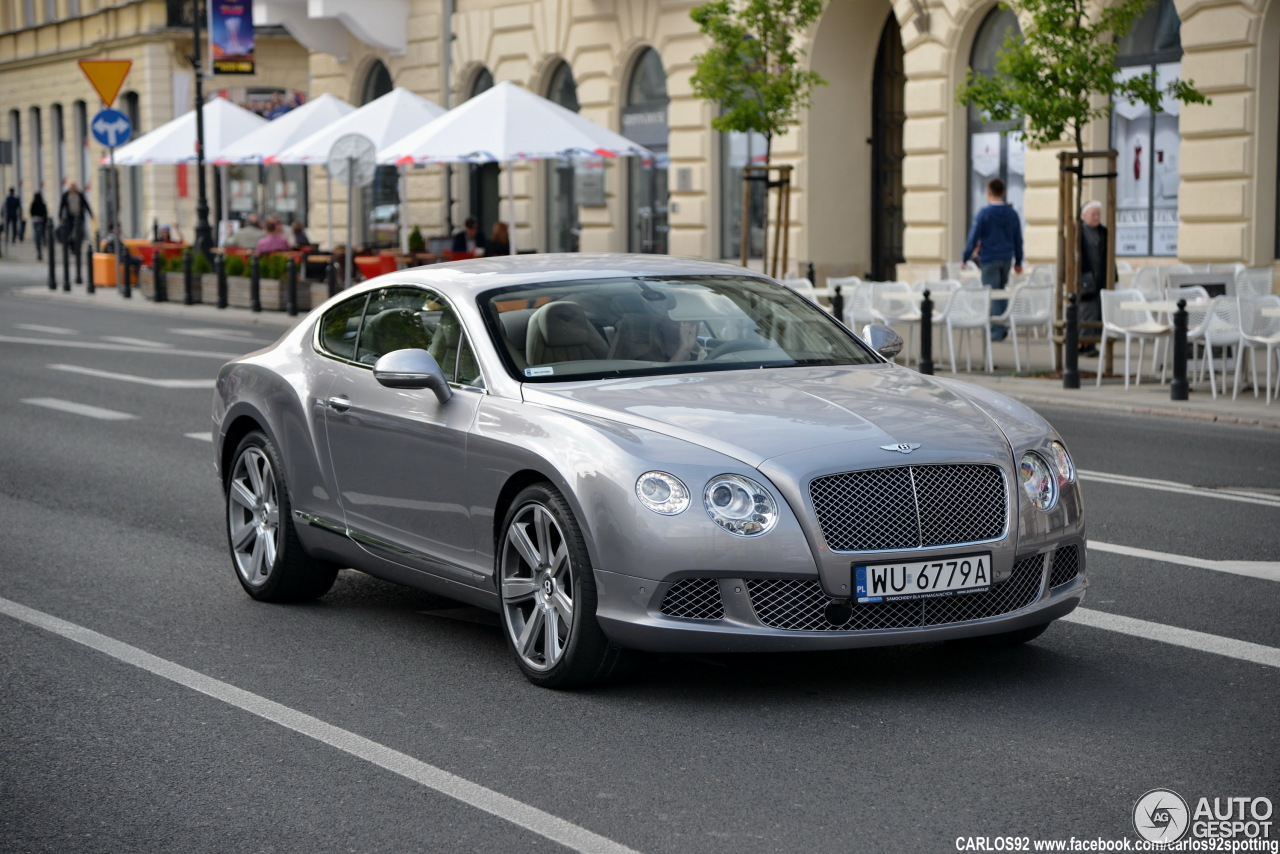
{"x":165,"y":235}
{"x":500,"y":242}
{"x":470,"y":239}
{"x":247,"y":235}
{"x":300,"y":239}
{"x":274,"y":240}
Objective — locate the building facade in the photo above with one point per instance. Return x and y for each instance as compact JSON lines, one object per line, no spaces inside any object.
{"x":887,"y":167}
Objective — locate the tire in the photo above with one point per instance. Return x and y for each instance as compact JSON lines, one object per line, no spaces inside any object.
{"x":548,"y":595}
{"x":268,"y":558}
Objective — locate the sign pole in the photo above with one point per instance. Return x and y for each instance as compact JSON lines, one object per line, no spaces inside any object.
{"x":351,"y":181}
{"x":204,"y":240}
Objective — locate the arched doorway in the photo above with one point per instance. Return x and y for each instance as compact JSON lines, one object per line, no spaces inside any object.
{"x":994,"y":152}
{"x":562,"y":204}
{"x":888,"y":111}
{"x":1148,"y":143}
{"x":644,"y":121}
{"x":483,"y":180}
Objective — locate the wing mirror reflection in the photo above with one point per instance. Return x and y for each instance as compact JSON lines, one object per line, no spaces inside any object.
{"x":412,"y":369}
{"x":882,"y":339}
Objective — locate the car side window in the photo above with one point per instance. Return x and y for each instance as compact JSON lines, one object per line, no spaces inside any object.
{"x":452,"y":350}
{"x":396,"y":318}
{"x":341,"y":327}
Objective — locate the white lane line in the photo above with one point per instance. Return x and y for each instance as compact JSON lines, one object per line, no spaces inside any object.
{"x":130,"y":378}
{"x":52,"y":330}
{"x":202,"y":437}
{"x":1264,"y":569}
{"x":1182,"y":488}
{"x":119,"y":348}
{"x":240,"y":336}
{"x":136,"y":342}
{"x":79,"y":409}
{"x":1215,"y":644}
{"x":509,"y":809}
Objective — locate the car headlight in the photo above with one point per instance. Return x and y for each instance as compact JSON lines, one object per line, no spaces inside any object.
{"x":662,"y":493}
{"x":740,"y":505}
{"x":1038,"y":482}
{"x":1063,"y":464}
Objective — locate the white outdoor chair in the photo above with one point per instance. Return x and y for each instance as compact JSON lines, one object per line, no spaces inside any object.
{"x":892,"y":305}
{"x":968,"y":309}
{"x":1219,"y":326}
{"x":1030,"y":307}
{"x":1128,"y":324}
{"x":802,"y":286}
{"x":1146,"y":280}
{"x":940,"y":291}
{"x":1256,"y":332}
{"x":1123,"y":267}
{"x":857,"y":300}
{"x":1230,"y":269}
{"x":1171,"y":269}
{"x":1253,"y":282}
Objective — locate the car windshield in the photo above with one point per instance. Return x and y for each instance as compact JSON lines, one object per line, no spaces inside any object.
{"x":601,"y":328}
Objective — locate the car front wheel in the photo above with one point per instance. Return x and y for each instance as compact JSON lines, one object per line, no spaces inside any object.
{"x":268,"y":558}
{"x":549,"y":595}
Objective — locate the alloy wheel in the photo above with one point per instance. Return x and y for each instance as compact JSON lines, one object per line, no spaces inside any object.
{"x":253,"y":516}
{"x":537,"y":587}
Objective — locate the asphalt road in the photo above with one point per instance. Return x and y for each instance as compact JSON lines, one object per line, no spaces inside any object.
{"x":330,"y":726}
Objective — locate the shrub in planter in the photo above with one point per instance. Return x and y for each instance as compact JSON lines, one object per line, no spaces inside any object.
{"x":237,"y":266}
{"x":417,"y":243}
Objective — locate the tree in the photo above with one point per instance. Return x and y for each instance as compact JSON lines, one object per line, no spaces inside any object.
{"x":753,"y":69}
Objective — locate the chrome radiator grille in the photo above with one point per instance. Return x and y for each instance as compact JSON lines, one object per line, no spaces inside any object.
{"x":910,"y":507}
{"x":799,"y":605}
{"x":694,"y":599}
{"x":1065,"y":566}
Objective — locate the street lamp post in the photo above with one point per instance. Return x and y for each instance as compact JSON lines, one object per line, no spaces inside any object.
{"x":204,"y":236}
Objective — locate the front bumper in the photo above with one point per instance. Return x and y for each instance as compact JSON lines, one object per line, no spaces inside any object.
{"x":722,"y":614}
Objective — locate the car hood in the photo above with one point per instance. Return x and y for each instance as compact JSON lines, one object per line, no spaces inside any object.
{"x":760,"y":415}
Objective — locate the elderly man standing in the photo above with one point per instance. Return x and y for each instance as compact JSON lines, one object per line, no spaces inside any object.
{"x":73,"y":210}
{"x":996,"y":238}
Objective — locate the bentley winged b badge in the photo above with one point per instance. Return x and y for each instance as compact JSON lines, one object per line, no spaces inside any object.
{"x":901,"y":447}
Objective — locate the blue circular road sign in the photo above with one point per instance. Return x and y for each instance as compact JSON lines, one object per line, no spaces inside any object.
{"x":112,"y":128}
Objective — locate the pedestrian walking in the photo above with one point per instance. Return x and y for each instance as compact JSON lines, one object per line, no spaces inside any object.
{"x":1093,"y":272}
{"x":12,"y":216}
{"x":39,"y":218}
{"x":996,"y":239}
{"x":73,"y":211}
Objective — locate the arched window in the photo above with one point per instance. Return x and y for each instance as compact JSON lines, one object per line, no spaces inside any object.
{"x":483,"y":179}
{"x":15,"y":136}
{"x":381,"y":201}
{"x":1147,"y":188}
{"x":996,"y":149}
{"x":130,"y":215}
{"x":562,"y":202}
{"x":644,"y":120}
{"x":58,"y":130}
{"x":81,"y":111}
{"x":37,"y":149}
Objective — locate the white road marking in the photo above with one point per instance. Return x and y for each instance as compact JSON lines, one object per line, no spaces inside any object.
{"x":1215,"y":644}
{"x":119,"y":348}
{"x":79,"y":409}
{"x":202,"y":437}
{"x":1182,"y":488}
{"x":130,"y":378}
{"x":237,"y":335}
{"x":52,"y":330}
{"x":509,"y":809}
{"x":136,"y":342}
{"x":1264,"y":569}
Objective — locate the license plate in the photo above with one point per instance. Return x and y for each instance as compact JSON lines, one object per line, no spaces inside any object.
{"x":924,"y":579}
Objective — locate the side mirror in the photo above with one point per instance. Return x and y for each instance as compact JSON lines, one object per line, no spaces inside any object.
{"x":882,"y":339}
{"x":412,"y":369}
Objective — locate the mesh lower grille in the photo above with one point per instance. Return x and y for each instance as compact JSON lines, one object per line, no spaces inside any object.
{"x":799,"y":605}
{"x":910,"y":507}
{"x":694,"y":599}
{"x":1065,"y":566}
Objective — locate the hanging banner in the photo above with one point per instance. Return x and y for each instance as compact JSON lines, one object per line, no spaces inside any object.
{"x":231,"y":36}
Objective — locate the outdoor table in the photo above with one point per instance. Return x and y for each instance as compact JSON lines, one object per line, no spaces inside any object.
{"x":1158,"y":306}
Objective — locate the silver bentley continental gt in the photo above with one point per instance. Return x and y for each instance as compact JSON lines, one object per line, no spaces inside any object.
{"x":620,"y":453}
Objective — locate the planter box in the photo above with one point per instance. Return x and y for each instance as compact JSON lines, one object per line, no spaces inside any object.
{"x":146,"y":285}
{"x":272,"y":293}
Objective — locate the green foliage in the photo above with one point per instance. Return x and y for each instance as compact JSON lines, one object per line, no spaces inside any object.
{"x":172,"y":264}
{"x":273,"y":265}
{"x":202,"y":264}
{"x":236,"y":266}
{"x":1050,"y":79}
{"x":753,"y":68}
{"x":417,"y":243}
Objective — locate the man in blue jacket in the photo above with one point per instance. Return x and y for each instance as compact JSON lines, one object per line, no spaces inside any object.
{"x":996,"y":238}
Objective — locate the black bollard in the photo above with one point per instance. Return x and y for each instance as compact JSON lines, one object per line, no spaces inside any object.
{"x":331,"y":276}
{"x":53,"y":260}
{"x":255,"y":286}
{"x":1071,"y":346}
{"x":126,"y":281}
{"x":188,"y":276}
{"x":79,"y":273}
{"x":926,"y":334}
{"x":161,"y":280}
{"x":1178,"y":388}
{"x":809,"y":275}
{"x":66,"y":265}
{"x":88,"y":277}
{"x":837,"y":304}
{"x":291,"y":287}
{"x":220,"y":268}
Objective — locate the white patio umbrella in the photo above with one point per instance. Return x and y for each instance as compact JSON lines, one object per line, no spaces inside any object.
{"x":382,"y":121}
{"x":267,"y":142}
{"x":175,"y":141}
{"x":504,"y":124}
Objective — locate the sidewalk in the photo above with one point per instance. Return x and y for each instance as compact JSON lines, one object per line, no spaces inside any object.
{"x":21,"y":274}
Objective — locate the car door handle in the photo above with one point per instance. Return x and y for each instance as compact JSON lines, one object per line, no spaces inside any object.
{"x":340,"y":403}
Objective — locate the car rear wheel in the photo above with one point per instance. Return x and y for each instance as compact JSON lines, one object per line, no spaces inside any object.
{"x":549,"y":595}
{"x":268,"y":558}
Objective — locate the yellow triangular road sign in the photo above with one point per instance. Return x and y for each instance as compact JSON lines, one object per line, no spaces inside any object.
{"x":106,"y":75}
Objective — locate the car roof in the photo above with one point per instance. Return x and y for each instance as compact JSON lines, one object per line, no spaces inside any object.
{"x":465,"y":279}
